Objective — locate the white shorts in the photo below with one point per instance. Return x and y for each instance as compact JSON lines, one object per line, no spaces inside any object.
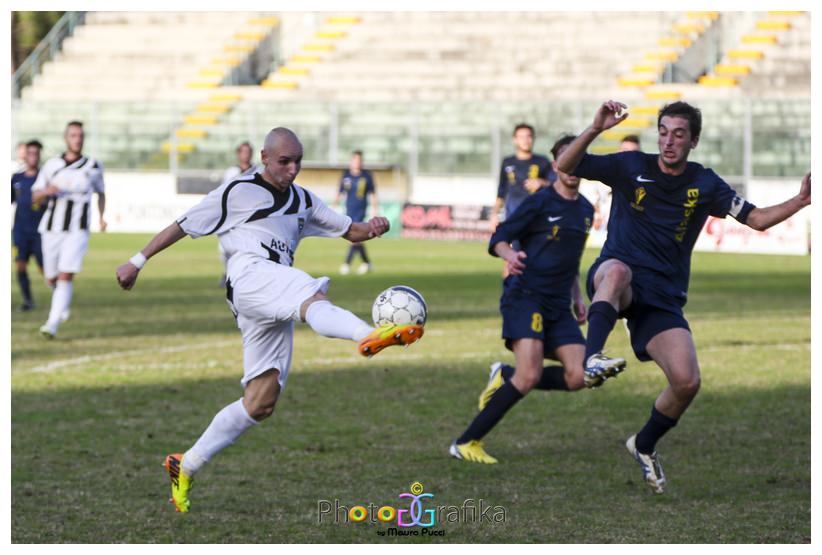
{"x":63,"y":252}
{"x":266,"y":297}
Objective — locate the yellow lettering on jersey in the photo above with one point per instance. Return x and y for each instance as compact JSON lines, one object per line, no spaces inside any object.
{"x":533,"y":171}
{"x":536,"y":322}
{"x":690,"y":206}
{"x":360,"y":187}
{"x":639,"y":194}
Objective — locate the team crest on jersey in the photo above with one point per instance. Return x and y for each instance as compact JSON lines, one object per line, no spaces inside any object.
{"x":533,"y":171}
{"x":554,"y":233}
{"x":639,"y":195}
{"x":512,"y":176}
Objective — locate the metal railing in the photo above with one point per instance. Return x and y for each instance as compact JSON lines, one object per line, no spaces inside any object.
{"x":45,"y":51}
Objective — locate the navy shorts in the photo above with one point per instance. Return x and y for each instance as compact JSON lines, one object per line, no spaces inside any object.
{"x":524,"y":317}
{"x":26,"y":245}
{"x":650,"y":312}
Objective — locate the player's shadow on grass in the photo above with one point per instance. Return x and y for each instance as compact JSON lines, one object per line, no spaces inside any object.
{"x":86,"y":461}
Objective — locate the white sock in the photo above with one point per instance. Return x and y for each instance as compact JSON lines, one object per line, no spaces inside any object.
{"x":333,"y":321}
{"x":60,"y":302}
{"x":225,"y":428}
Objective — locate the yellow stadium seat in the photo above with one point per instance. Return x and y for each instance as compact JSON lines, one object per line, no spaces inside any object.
{"x":717,"y":81}
{"x":202,"y":84}
{"x":225,"y":97}
{"x":759,"y":39}
{"x":772,"y":25}
{"x":786,"y":13}
{"x":267,"y":84}
{"x":664,"y":56}
{"x":343,"y":20}
{"x":211,"y":72}
{"x":200,"y":119}
{"x":746,"y":54}
{"x":270,"y":21}
{"x":688,"y":28}
{"x":249,"y":35}
{"x":191,"y":133}
{"x":732,"y":69}
{"x":241,"y":48}
{"x":226,"y":60}
{"x":703,"y":15}
{"x":635,"y":123}
{"x":214,"y":107}
{"x":636,"y":81}
{"x":644,"y":110}
{"x":674,"y":41}
{"x":646,"y":68}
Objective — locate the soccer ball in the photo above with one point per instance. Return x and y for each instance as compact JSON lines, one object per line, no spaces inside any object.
{"x":399,"y":305}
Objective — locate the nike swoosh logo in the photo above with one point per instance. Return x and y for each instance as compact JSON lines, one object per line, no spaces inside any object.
{"x":641,"y":180}
{"x":554,"y":218}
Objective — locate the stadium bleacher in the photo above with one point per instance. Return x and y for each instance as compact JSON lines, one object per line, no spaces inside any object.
{"x":439,"y":91}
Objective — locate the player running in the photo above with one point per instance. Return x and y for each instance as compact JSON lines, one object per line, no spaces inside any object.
{"x":68,"y":183}
{"x":537,"y":323}
{"x":660,"y":205}
{"x":260,"y":219}
{"x":27,"y":215}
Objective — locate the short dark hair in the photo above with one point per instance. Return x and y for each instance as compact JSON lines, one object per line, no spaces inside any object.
{"x":74,"y":123}
{"x":356,"y":153}
{"x":523,"y":126}
{"x":685,"y":111}
{"x":631,"y":139}
{"x":34,"y":142}
{"x":561,"y":142}
{"x":244,"y":143}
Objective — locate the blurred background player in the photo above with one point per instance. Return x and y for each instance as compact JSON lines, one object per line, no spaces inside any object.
{"x":629,"y":143}
{"x":660,"y":205}
{"x":537,"y":323}
{"x":245,"y":154}
{"x":19,"y":164}
{"x":520,"y":175}
{"x":27,"y":217}
{"x":261,"y":223}
{"x":357,"y":184}
{"x":67,"y":182}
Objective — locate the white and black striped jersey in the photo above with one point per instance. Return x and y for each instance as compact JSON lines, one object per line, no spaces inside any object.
{"x":70,"y":210}
{"x":254,"y":221}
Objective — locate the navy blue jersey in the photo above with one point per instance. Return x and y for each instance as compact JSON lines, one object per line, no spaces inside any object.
{"x":27,"y":215}
{"x":656,"y":218}
{"x":513,"y":174}
{"x":552,"y":231}
{"x":356,"y":189}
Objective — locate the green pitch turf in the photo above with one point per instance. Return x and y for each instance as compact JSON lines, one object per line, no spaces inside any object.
{"x":134,"y":376}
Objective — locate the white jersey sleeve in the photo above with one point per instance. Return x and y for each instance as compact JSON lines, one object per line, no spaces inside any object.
{"x":224,"y":208}
{"x":43,"y":176}
{"x":324,"y":222}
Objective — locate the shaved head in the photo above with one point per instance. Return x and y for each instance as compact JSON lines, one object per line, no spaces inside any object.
{"x":282,"y":157}
{"x":279,"y":135}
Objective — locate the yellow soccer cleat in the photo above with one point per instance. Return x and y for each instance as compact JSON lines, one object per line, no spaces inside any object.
{"x":180,"y":482}
{"x":495,"y":381}
{"x":387,"y":335}
{"x":472,"y":451}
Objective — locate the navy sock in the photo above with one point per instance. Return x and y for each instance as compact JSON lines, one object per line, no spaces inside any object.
{"x":601,"y":319}
{"x":656,"y":427}
{"x":25,"y":286}
{"x":504,"y":398}
{"x":553,"y":377}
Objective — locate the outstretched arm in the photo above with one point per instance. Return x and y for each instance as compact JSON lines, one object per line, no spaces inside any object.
{"x":605,"y":118}
{"x":127,"y":273}
{"x":761,"y":219}
{"x":363,"y":231}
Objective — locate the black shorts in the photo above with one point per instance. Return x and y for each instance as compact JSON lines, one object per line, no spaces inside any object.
{"x":650,"y":312}
{"x":26,"y":245}
{"x":524,"y":317}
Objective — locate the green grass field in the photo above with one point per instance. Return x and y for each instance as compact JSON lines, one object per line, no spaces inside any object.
{"x":134,"y":376}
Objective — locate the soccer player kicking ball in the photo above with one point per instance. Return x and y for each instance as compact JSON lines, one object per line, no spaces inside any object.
{"x":259,"y":219}
{"x":660,"y":205}
{"x":552,"y":227}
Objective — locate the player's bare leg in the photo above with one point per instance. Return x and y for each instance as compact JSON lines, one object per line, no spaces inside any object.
{"x":572,"y":357}
{"x":674,"y":351}
{"x":612,"y":285}
{"x":257,"y":404}
{"x":60,"y":303}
